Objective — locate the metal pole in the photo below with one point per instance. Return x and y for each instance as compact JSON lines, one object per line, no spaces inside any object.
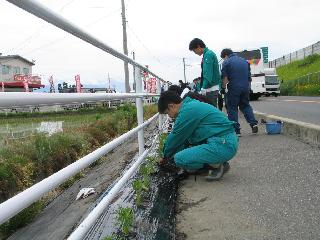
{"x":160,"y":116}
{"x":125,"y":47}
{"x":134,"y":72}
{"x":139,"y":105}
{"x":184,"y":70}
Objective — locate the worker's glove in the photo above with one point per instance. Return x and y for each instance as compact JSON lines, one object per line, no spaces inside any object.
{"x":223,"y":91}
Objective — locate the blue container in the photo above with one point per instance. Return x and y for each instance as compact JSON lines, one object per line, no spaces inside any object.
{"x":274,"y":127}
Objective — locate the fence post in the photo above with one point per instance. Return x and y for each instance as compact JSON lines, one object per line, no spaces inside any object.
{"x":139,"y":105}
{"x":160,"y":115}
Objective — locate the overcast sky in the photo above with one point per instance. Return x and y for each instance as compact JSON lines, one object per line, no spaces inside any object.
{"x":159,"y":33}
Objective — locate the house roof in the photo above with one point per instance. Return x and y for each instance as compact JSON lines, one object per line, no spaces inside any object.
{"x":16,"y":57}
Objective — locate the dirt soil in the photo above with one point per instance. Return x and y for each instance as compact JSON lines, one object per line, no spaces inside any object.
{"x":63,"y":214}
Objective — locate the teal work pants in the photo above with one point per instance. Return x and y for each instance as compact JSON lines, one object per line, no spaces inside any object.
{"x":215,"y":150}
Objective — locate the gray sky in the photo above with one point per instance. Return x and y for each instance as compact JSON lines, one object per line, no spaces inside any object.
{"x":159,"y":33}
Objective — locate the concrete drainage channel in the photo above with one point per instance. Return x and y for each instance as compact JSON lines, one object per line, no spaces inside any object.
{"x":306,"y":132}
{"x":153,"y":217}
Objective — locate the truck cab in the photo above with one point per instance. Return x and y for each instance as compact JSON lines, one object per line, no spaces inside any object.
{"x":272,"y":83}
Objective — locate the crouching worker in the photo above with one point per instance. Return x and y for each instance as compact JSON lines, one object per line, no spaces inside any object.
{"x":202,"y":136}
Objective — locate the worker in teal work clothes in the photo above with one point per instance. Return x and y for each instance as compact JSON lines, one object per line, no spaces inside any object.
{"x":210,"y":74}
{"x":202,"y":136}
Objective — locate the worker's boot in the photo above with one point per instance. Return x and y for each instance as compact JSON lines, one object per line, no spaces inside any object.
{"x":216,"y":173}
{"x":226,"y":167}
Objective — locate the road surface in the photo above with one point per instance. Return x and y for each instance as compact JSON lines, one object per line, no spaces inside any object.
{"x":305,"y":109}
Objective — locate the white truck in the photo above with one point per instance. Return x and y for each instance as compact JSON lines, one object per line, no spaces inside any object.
{"x":264,"y":80}
{"x":272,"y":83}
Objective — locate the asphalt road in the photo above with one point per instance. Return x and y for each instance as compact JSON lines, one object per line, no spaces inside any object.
{"x":272,"y":192}
{"x":305,"y":109}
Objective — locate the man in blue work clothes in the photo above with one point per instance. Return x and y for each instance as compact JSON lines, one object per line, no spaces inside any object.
{"x":210,"y":74}
{"x":202,"y":136}
{"x":235,"y":72}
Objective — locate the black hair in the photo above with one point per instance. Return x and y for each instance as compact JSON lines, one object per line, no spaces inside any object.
{"x":166,"y":98}
{"x":226,"y":52}
{"x":195,"y":43}
{"x":198,"y":97}
{"x":175,"y":88}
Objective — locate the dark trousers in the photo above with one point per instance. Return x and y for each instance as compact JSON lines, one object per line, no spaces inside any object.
{"x":239,"y":98}
{"x":213,"y":97}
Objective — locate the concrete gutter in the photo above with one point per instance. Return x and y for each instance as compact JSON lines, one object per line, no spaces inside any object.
{"x":306,"y":132}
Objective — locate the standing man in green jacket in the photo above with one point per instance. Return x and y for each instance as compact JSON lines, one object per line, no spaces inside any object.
{"x":202,"y":136}
{"x":210,"y":74}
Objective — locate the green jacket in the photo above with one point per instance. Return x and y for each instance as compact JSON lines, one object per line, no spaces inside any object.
{"x":210,"y":69}
{"x":196,"y":121}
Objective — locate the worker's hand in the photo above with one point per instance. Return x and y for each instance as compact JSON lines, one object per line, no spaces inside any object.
{"x":162,"y":161}
{"x":203,"y":92}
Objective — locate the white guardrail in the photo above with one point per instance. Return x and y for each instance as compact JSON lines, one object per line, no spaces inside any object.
{"x":24,"y":199}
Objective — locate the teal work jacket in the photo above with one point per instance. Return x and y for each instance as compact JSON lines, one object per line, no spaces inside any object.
{"x":210,"y":69}
{"x":196,"y":121}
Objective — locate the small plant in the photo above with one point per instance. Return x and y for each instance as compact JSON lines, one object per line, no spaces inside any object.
{"x":162,"y":139}
{"x":146,"y":169}
{"x":113,"y":236}
{"x":125,"y":219}
{"x":138,"y":187}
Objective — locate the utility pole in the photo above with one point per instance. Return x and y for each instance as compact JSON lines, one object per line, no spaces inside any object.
{"x":184,"y":70}
{"x":134,"y":72}
{"x":109,"y":83}
{"x":125,"y":47}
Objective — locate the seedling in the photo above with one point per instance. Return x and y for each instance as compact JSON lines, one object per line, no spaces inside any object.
{"x":125,"y":219}
{"x":138,"y":187}
{"x":113,"y":236}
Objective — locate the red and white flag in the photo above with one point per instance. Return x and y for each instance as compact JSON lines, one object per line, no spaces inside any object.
{"x":2,"y":86}
{"x":26,"y":86}
{"x":78,"y":84}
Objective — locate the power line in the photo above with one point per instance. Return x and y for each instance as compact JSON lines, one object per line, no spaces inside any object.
{"x":35,"y":33}
{"x":60,"y":39}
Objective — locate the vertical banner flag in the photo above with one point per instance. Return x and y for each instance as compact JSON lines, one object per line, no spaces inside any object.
{"x":2,"y":86}
{"x":52,"y":89}
{"x":26,"y":86}
{"x":78,"y":84}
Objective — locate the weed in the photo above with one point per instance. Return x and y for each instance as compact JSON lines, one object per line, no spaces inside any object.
{"x":113,"y":236}
{"x":125,"y":219}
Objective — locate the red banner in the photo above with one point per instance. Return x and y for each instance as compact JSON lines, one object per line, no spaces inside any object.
{"x":78,"y":84}
{"x":27,"y":78}
{"x":26,"y":86}
{"x":152,"y":85}
{"x":2,"y":87}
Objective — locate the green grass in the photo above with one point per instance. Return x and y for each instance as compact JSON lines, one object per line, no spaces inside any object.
{"x":299,"y":68}
{"x":301,"y":77}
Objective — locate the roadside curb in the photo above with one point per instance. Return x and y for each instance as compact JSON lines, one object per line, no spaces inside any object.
{"x":306,"y":132}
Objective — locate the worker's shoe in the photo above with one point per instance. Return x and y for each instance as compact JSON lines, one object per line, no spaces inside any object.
{"x":226,"y":167}
{"x":182,"y":174}
{"x":216,"y":173}
{"x":254,"y":128}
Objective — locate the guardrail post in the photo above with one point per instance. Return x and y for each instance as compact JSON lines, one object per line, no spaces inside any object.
{"x":160,"y":116}
{"x":139,"y":105}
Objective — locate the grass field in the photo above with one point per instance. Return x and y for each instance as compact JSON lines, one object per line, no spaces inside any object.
{"x":301,"y":77}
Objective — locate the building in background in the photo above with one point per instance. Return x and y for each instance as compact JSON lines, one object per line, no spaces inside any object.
{"x":16,"y":74}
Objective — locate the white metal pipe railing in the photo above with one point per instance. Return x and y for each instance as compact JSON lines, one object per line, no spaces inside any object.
{"x":57,"y":20}
{"x":139,"y":105}
{"x":88,"y":222}
{"x":15,"y":99}
{"x":24,"y":199}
